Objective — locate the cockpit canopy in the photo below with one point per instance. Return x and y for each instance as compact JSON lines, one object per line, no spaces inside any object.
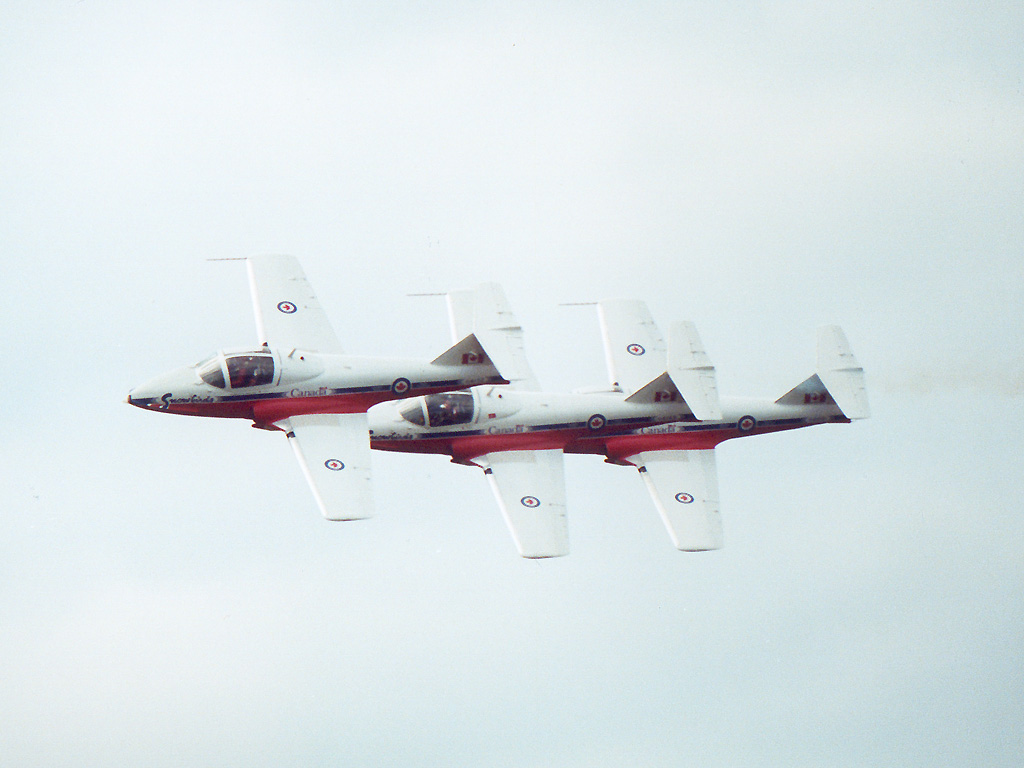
{"x":442,"y":410}
{"x":243,"y":369}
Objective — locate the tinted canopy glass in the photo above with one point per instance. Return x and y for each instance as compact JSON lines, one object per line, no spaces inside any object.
{"x":211,"y":372}
{"x":250,"y":370}
{"x":412,"y":411}
{"x":449,"y":408}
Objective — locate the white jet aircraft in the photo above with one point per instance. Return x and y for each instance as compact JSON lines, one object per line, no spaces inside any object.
{"x":662,"y":415}
{"x":300,"y":382}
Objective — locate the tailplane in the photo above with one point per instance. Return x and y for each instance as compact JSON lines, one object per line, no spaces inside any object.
{"x":692,"y":371}
{"x":483,"y":313}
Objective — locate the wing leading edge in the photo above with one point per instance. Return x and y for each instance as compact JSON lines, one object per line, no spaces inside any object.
{"x":529,"y":485}
{"x":288,"y":313}
{"x":334,"y":453}
{"x":684,"y":487}
{"x":530,"y":489}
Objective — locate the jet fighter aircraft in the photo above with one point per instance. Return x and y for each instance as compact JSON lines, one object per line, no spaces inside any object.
{"x":300,"y":382}
{"x":661,"y":414}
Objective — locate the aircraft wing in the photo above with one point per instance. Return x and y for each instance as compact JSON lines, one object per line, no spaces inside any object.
{"x":634,"y":349}
{"x":288,"y":314}
{"x":684,"y":486}
{"x":530,"y":489}
{"x":334,"y":453}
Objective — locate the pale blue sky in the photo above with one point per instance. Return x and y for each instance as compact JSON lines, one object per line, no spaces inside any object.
{"x":168,"y":592}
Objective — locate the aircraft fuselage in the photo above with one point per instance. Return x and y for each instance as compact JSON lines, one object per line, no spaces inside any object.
{"x":266,"y":386}
{"x":503,"y":419}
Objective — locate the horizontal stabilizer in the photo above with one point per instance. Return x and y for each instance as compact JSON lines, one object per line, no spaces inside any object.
{"x":334,"y":453}
{"x":530,"y":489}
{"x":692,"y":371}
{"x":839,"y":382}
{"x":485,"y":312}
{"x":684,"y":487}
{"x":508,"y":355}
{"x":841,"y":373}
{"x":690,"y":378}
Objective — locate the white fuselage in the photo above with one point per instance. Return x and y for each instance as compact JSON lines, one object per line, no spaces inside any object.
{"x":268,"y":385}
{"x":500,"y":418}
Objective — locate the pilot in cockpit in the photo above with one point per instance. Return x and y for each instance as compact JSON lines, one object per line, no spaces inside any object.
{"x":447,"y":409}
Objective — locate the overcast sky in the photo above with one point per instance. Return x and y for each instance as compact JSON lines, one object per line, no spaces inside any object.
{"x":169,"y":594}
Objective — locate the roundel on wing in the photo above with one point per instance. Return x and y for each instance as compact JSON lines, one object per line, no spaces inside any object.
{"x":684,"y":498}
{"x":287,"y":307}
{"x":636,"y":349}
{"x":530,"y":501}
{"x":334,"y":464}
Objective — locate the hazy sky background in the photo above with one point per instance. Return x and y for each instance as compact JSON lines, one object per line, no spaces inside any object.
{"x":169,"y":594}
